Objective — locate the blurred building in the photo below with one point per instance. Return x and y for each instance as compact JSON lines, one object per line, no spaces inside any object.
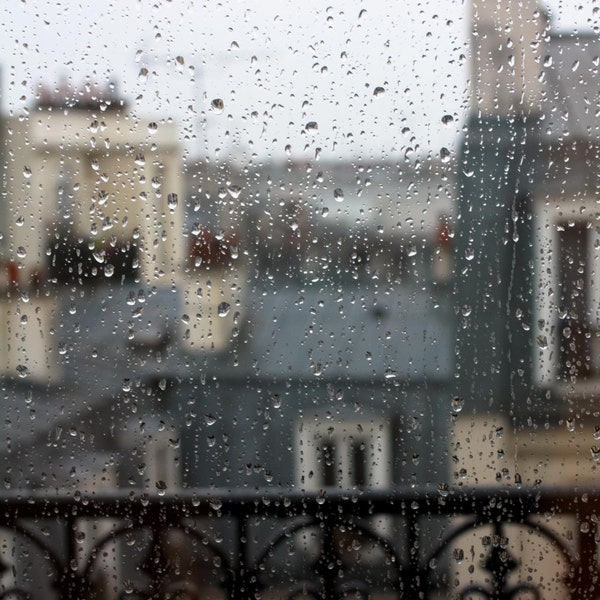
{"x":527,"y":252}
{"x":90,"y":194}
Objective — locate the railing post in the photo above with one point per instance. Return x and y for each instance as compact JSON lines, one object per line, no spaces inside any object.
{"x":414,"y":575}
{"x":71,"y":585}
{"x":586,"y":579}
{"x":241,"y":586}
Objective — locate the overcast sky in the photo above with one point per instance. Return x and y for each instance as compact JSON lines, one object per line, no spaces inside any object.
{"x":377,"y":77}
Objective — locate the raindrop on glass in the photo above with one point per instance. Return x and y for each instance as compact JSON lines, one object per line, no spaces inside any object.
{"x":457,"y":404}
{"x":217,"y":106}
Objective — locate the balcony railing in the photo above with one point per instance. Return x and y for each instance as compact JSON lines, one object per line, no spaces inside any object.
{"x":412,"y":543}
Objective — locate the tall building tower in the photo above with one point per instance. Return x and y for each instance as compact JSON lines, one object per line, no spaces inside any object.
{"x":496,"y":171}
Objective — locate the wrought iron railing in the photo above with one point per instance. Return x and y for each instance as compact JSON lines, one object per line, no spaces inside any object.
{"x":411,"y":543}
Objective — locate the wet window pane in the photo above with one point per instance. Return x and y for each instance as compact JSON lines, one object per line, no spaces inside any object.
{"x":299,"y":301}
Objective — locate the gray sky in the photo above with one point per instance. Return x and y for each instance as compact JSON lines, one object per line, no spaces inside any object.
{"x":277,"y":66}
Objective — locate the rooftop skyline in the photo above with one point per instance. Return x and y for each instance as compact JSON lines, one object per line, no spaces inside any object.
{"x":345,"y":81}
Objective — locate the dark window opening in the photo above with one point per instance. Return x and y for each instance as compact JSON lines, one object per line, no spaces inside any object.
{"x":573,"y":327}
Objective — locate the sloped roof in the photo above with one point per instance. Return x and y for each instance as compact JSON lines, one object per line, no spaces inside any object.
{"x":292,"y":333}
{"x":362,"y":333}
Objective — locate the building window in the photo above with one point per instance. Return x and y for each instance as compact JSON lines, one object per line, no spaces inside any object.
{"x":343,"y":455}
{"x":569,"y":292}
{"x":573,"y":320}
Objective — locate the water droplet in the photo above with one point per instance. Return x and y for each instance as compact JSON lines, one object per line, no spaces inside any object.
{"x":161,"y":488}
{"x":447,"y":119}
{"x":466,"y":310}
{"x":570,"y":422}
{"x":234,"y":191}
{"x":143,"y":74}
{"x":223,"y":309}
{"x":109,"y":270}
{"x":567,"y":332}
{"x":217,"y":106}
{"x":172,"y":201}
{"x":390,"y":374}
{"x":21,"y":252}
{"x":338,"y":194}
{"x":140,"y":160}
{"x":457,"y":404}
{"x":444,"y":155}
{"x":312,"y":126}
{"x":378,"y":91}
{"x":162,"y":384}
{"x":548,"y":61}
{"x":596,"y":433}
{"x":595,"y":453}
{"x":542,"y":341}
{"x":469,"y":173}
{"x":469,"y":254}
{"x":152,"y":128}
{"x":26,"y":172}
{"x":215,"y":503}
{"x":126,"y":385}
{"x":458,"y":555}
{"x":22,"y":371}
{"x":94,"y":126}
{"x":443,"y":490}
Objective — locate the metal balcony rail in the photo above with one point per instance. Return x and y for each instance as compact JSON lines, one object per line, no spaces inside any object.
{"x":410,"y":543}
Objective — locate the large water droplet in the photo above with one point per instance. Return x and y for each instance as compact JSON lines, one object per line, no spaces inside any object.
{"x":338,"y":194}
{"x":312,"y":126}
{"x":223,"y":309}
{"x":457,"y":404}
{"x":152,"y":128}
{"x":444,"y":155}
{"x":378,"y":91}
{"x":447,"y":119}
{"x":143,"y":74}
{"x":172,"y":201}
{"x":217,"y":106}
{"x":234,"y":191}
{"x":22,"y":371}
{"x":26,"y":172}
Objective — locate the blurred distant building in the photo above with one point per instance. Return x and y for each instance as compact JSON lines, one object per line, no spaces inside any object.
{"x":90,"y":192}
{"x":528,"y":251}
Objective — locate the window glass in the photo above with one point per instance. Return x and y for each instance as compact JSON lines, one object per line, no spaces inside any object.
{"x":299,"y":300}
